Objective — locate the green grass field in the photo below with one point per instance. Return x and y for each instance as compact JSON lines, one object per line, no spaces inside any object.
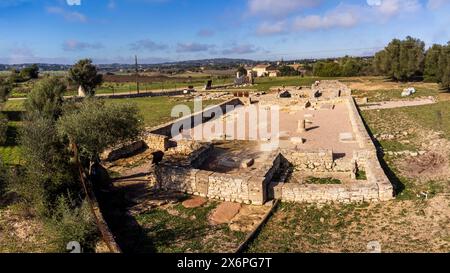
{"x":154,"y":111}
{"x":22,"y":89}
{"x":10,"y":152}
{"x":266,"y":83}
{"x":157,"y":110}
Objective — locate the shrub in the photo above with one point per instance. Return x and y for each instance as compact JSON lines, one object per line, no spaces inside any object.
{"x":3,"y":129}
{"x":72,"y":222}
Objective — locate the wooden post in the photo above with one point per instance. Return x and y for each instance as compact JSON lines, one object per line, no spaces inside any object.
{"x":137,"y":73}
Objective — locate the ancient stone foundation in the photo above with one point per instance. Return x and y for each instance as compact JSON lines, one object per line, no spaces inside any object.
{"x":252,"y":181}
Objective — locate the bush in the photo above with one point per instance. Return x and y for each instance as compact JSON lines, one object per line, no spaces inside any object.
{"x":3,"y":129}
{"x":3,"y":180}
{"x":72,"y":222}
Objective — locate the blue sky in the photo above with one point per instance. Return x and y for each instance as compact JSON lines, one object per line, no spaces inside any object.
{"x":62,"y":31}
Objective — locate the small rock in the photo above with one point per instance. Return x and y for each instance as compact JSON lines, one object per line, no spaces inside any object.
{"x":224,"y":213}
{"x":247,"y":163}
{"x":194,"y":202}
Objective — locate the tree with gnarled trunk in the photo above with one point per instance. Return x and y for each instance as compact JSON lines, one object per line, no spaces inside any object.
{"x":85,"y":75}
{"x":94,"y":126}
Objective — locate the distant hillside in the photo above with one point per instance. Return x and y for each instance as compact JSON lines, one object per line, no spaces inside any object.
{"x":221,"y":63}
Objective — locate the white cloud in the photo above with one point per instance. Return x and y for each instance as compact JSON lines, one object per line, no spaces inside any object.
{"x":279,"y":7}
{"x":239,"y":49}
{"x":268,"y":28}
{"x":73,"y":2}
{"x":391,"y":8}
{"x":344,"y":16}
{"x":435,"y":4}
{"x":72,"y":16}
{"x":147,"y":44}
{"x":12,"y":3}
{"x":193,"y":47}
{"x":74,"y":45}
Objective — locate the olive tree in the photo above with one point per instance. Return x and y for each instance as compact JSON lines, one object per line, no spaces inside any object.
{"x":46,"y":98}
{"x":5,"y":90}
{"x":86,"y":76}
{"x":94,"y":126}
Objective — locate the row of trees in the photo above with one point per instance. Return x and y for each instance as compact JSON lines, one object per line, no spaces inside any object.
{"x":343,"y":67}
{"x":58,"y":136}
{"x":404,"y":60}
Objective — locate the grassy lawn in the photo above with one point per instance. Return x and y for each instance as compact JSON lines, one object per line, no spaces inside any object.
{"x":157,"y":110}
{"x":264,"y":84}
{"x":394,"y":94}
{"x":111,"y":87}
{"x":10,"y":152}
{"x":434,"y":116}
{"x":179,"y":230}
{"x":398,"y":226}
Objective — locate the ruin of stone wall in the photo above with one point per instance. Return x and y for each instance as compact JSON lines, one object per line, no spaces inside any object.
{"x":369,"y":159}
{"x":122,"y":151}
{"x":156,"y":142}
{"x":249,"y":189}
{"x":317,"y":161}
{"x":310,"y":193}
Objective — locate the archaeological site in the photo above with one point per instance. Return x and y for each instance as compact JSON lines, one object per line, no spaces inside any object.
{"x":318,"y":150}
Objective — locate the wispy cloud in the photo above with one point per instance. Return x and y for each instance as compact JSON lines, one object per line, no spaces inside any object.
{"x":240,"y":49}
{"x":343,"y":16}
{"x":268,"y":28}
{"x":435,"y":4}
{"x":146,"y":44}
{"x":72,"y":16}
{"x":279,"y":7}
{"x":74,"y":45}
{"x":193,"y":47}
{"x":13,"y":3}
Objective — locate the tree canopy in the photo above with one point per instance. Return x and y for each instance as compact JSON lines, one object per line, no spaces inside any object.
{"x":401,"y":60}
{"x":95,"y":126}
{"x":85,"y":74}
{"x":30,"y":72}
{"x":46,"y":98}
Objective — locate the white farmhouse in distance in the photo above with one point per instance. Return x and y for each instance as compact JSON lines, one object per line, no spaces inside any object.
{"x":265,"y":70}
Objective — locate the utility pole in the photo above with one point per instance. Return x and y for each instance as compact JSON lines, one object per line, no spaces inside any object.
{"x":137,"y":73}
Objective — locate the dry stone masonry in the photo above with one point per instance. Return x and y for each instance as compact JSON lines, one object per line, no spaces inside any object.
{"x":259,"y":177}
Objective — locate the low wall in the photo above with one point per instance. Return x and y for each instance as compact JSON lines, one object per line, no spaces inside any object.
{"x":321,"y":161}
{"x":377,"y":187}
{"x":249,"y":189}
{"x":309,"y":193}
{"x":368,"y":158}
{"x":156,"y":142}
{"x":124,"y":151}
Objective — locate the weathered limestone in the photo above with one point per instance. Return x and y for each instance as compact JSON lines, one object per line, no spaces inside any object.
{"x":180,"y":169}
{"x":157,"y":142}
{"x":123,"y":151}
{"x":301,"y":126}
